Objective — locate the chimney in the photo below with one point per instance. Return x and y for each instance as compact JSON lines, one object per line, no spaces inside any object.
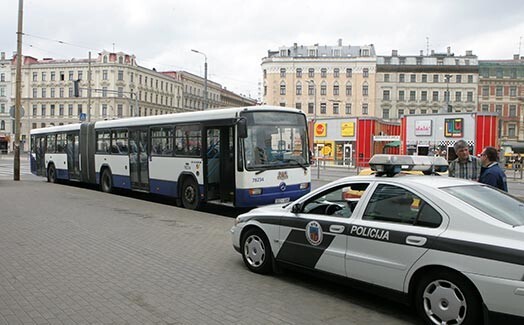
{"x":2,"y":56}
{"x":295,"y":45}
{"x":339,"y":42}
{"x":469,"y":53}
{"x":394,"y":52}
{"x":432,"y":52}
{"x":515,"y":56}
{"x":421,"y":52}
{"x":449,"y":50}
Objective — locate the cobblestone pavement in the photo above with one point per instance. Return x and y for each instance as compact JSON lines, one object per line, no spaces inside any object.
{"x":71,"y":255}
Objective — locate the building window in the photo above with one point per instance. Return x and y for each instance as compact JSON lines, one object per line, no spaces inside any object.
{"x":424,"y":96}
{"x":140,"y":76}
{"x":498,"y":91}
{"x":70,"y":90}
{"x":458,"y":79}
{"x":299,"y":89}
{"x":298,"y":106}
{"x":71,"y":75}
{"x":419,"y":61}
{"x":424,"y":78}
{"x":44,"y":91}
{"x":365,"y":72}
{"x":348,"y":108}
{"x":311,"y":89}
{"x":485,"y":107}
{"x":120,"y":92}
{"x":35,"y":76}
{"x":52,"y":92}
{"x":336,"y":90}
{"x":435,"y":78}
{"x":513,"y":73}
{"x":349,"y":73}
{"x":323,"y":89}
{"x":498,"y":73}
{"x":386,"y":77}
{"x":512,"y":110}
{"x":385,"y":95}
{"x":104,"y":110}
{"x":365,"y":109}
{"x":282,"y":72}
{"x":401,"y":95}
{"x":299,"y":73}
{"x":120,"y":110}
{"x":120,"y":75}
{"x":400,"y":113}
{"x":282,"y":88}
{"x":402,"y":61}
{"x":323,"y":73}
{"x":412,"y":96}
{"x":511,"y":130}
{"x":70,"y":110}
{"x":365,"y":90}
{"x":311,"y":73}
{"x":322,"y":108}
{"x":485,"y":91}
{"x":53,"y":76}
{"x":336,"y":72}
{"x":80,"y":75}
{"x":335,"y":109}
{"x":469,"y":97}
{"x":498,"y":109}
{"x":43,"y":76}
{"x":413,"y":78}
{"x":458,"y":96}
{"x":349,"y":90}
{"x":423,"y":111}
{"x":385,"y":113}
{"x":470,"y":78}
{"x":513,"y":91}
{"x":401,"y":77}
{"x":43,"y":110}
{"x":435,"y":96}
{"x":310,"y":108}
{"x":61,"y":110}
{"x":412,"y":111}
{"x":61,"y":92}
{"x":104,"y":91}
{"x":34,"y":110}
{"x":104,"y":75}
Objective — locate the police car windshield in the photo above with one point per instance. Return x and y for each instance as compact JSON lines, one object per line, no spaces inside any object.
{"x":497,"y":204}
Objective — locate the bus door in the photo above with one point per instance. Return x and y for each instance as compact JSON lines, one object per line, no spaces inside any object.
{"x":138,"y":159}
{"x":73,"y":156}
{"x":40,"y":146}
{"x":220,"y":164}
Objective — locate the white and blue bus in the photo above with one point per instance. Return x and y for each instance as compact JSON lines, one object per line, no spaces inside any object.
{"x":241,"y":157}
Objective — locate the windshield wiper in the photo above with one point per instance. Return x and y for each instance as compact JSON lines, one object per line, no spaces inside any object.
{"x":298,"y":163}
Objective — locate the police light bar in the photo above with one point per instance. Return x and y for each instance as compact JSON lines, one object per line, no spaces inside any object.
{"x":391,"y":165}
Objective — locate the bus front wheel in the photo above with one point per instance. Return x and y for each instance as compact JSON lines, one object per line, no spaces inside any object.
{"x":190,"y":195}
{"x":106,"y":181}
{"x":51,"y":174}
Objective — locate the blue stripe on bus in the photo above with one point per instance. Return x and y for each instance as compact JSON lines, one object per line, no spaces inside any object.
{"x":62,"y":174}
{"x":119,"y":181}
{"x":167,"y":188}
{"x":268,"y":196}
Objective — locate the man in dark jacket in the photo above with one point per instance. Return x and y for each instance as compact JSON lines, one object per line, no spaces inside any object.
{"x":491,"y":173}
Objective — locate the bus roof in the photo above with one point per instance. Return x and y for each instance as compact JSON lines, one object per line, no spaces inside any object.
{"x":60,"y":128}
{"x":196,"y":116}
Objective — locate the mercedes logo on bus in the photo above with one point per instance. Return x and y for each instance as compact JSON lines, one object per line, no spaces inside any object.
{"x":282,"y":186}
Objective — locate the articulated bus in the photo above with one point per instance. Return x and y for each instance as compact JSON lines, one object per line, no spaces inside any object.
{"x":241,"y":157}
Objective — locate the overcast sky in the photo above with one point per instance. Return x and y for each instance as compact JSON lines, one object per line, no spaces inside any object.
{"x":236,"y":34}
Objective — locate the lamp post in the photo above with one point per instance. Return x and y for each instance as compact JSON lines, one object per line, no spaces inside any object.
{"x":448,"y":108}
{"x":312,"y":82}
{"x":205,"y":76}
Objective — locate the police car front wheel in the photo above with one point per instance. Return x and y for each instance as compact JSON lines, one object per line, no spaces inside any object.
{"x":256,"y":251}
{"x":444,"y":297}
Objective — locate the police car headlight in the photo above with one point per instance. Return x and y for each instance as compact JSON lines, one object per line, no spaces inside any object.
{"x":255,"y":191}
{"x":303,"y":186}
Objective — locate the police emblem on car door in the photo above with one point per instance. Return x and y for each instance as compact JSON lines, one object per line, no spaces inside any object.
{"x":316,"y":236}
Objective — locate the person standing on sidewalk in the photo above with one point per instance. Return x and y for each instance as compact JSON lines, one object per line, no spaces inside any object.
{"x":491,"y":173}
{"x":465,"y":166}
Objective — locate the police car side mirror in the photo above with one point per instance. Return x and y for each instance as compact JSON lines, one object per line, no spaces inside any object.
{"x":296,"y":208}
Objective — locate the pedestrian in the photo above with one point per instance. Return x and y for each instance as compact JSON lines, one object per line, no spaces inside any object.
{"x":465,"y":166}
{"x":491,"y":173}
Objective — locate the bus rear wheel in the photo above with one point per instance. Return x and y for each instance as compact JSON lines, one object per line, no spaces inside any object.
{"x":190,"y":194}
{"x":51,"y":174}
{"x":106,"y":181}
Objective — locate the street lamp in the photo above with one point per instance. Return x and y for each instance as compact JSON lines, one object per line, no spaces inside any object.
{"x":205,"y":76}
{"x":448,"y":107}
{"x":317,"y":153}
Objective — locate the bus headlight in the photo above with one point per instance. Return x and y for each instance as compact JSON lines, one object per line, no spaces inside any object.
{"x":303,"y":186}
{"x":255,"y":191}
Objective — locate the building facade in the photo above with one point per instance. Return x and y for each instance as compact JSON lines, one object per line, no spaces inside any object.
{"x":426,"y":84}
{"x":6,"y":123}
{"x":501,"y":90}
{"x":322,"y":81}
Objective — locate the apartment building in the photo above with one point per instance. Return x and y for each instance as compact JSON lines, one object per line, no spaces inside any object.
{"x":6,"y":123}
{"x":426,"y":84}
{"x":501,"y":90}
{"x":323,"y":81}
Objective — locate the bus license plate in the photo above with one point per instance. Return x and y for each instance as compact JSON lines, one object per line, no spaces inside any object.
{"x":282,"y":200}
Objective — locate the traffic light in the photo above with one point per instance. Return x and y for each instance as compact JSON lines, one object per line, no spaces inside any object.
{"x":76,"y":87}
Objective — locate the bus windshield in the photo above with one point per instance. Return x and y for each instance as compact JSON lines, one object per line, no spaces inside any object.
{"x":275,"y":140}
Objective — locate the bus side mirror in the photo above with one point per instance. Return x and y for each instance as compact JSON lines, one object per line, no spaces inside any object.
{"x":242,"y":128}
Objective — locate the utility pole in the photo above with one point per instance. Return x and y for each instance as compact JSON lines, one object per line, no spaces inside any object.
{"x":89,"y":88}
{"x":205,"y":106}
{"x":18,"y":103}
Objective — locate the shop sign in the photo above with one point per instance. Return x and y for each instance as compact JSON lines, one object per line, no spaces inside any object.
{"x":320,"y":129}
{"x":348,"y":129}
{"x":454,"y":127}
{"x":423,"y":127}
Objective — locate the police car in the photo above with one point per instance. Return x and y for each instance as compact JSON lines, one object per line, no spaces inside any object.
{"x":453,"y":248}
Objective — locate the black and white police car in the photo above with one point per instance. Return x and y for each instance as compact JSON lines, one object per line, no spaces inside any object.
{"x":453,"y":248}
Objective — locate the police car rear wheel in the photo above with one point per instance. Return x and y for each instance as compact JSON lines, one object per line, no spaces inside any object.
{"x":446,"y":298}
{"x":256,"y":252}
